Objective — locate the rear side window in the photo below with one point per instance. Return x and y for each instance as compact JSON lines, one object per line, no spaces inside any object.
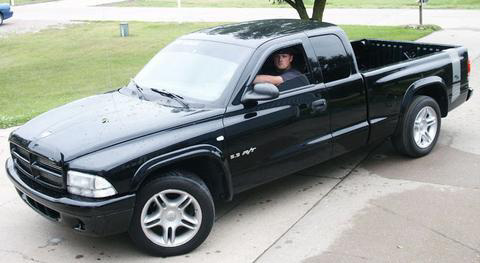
{"x":332,"y":57}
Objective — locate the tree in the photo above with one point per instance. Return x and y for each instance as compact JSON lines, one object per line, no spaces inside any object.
{"x":318,"y":8}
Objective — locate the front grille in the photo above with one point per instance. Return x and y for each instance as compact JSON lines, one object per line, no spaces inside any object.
{"x":37,"y":168}
{"x":49,"y":213}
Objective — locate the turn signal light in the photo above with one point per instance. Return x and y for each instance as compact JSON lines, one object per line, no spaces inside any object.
{"x":469,"y":67}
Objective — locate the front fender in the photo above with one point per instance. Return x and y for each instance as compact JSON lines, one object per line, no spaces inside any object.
{"x":202,"y":150}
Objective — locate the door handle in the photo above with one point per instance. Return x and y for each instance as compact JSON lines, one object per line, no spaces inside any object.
{"x":319,"y":105}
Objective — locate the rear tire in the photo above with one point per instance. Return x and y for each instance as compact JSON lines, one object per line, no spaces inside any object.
{"x":173,"y":214}
{"x":419,"y":129}
{"x":1,"y":19}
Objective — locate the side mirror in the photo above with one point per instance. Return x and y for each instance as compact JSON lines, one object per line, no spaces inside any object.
{"x":261,"y":91}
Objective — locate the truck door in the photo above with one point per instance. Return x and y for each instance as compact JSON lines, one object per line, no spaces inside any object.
{"x":347,"y":100}
{"x":279,"y":136}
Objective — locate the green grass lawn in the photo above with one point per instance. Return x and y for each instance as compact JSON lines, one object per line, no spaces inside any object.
{"x":466,"y":4}
{"x":40,"y":71}
{"x":26,"y":2}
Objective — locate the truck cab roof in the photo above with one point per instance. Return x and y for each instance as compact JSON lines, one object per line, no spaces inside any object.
{"x":255,"y":33}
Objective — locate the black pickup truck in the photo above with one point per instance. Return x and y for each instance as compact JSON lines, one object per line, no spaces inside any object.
{"x":150,"y":158}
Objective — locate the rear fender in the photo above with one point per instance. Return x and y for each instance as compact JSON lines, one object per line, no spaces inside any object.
{"x":427,"y":86}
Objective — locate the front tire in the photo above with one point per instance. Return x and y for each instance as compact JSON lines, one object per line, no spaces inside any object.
{"x":1,"y":19}
{"x":419,"y":129}
{"x":173,"y":214}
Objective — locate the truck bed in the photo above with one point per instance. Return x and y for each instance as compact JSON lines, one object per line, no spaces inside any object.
{"x":372,"y":54}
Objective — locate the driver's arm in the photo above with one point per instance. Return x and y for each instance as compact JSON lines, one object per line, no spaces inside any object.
{"x":275,"y":80}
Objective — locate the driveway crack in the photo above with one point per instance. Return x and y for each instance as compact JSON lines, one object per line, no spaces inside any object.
{"x":348,"y":255}
{"x":428,"y":228}
{"x":371,"y":150}
{"x":25,"y":257}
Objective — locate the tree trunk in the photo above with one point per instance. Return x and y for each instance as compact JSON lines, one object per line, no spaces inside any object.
{"x":302,"y":11}
{"x":300,"y":7}
{"x":318,"y":8}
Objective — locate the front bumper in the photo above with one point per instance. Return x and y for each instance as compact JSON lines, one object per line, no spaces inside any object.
{"x":8,"y":14}
{"x":101,"y":217}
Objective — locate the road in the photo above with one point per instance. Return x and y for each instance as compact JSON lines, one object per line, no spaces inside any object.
{"x":90,"y":10}
{"x":372,"y":205}
{"x":31,"y":18}
{"x":50,"y":11}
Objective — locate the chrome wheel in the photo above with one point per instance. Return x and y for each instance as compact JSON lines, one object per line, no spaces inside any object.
{"x":425,"y":127}
{"x":171,"y":218}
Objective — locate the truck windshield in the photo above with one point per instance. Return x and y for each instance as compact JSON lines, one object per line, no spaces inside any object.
{"x":194,"y":69}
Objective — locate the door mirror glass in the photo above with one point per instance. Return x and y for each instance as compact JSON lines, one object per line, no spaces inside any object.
{"x":261,"y":91}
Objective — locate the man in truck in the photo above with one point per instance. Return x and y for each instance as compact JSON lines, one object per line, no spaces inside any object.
{"x":284,"y":71}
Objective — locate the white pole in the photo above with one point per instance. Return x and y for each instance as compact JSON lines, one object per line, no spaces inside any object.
{"x":12,"y":2}
{"x":179,"y":3}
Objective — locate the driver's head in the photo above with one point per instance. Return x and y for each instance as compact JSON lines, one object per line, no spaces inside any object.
{"x":283,"y":59}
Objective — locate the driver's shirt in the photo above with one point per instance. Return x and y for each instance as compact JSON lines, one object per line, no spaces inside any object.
{"x":290,"y":74}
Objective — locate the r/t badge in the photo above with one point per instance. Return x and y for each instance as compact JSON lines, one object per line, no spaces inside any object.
{"x":244,"y":153}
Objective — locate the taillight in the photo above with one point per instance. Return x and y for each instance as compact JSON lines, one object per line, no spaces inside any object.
{"x":469,"y":67}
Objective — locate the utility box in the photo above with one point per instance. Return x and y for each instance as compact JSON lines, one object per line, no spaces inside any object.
{"x":124,"y":29}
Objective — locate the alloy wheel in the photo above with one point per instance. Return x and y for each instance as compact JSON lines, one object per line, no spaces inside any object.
{"x":425,"y":127}
{"x":171,"y":218}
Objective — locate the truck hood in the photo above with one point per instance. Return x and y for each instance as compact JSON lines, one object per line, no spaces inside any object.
{"x":96,"y":122}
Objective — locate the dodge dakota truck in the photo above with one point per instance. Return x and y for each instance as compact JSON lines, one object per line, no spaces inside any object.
{"x":192,"y":126}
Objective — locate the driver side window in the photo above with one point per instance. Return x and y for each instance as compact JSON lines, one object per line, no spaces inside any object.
{"x":286,"y":68}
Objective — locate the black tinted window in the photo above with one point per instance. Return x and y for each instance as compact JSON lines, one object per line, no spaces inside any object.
{"x":333,"y":59}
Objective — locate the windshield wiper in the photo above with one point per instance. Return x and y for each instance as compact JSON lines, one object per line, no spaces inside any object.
{"x":170,"y":95}
{"x":139,"y":89}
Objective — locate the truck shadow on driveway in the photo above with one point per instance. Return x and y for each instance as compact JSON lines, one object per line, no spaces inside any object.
{"x":444,"y":165}
{"x":270,"y":209}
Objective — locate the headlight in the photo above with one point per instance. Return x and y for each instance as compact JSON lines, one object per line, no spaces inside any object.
{"x":88,"y":185}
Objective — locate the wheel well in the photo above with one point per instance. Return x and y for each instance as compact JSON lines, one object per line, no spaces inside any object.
{"x":206,"y":168}
{"x":438,"y":94}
